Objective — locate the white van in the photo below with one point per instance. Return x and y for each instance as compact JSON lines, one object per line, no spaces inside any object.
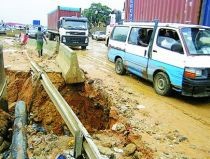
{"x":172,"y":56}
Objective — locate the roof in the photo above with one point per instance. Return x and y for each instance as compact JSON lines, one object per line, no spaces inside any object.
{"x":75,"y":18}
{"x":173,"y":25}
{"x":70,"y":9}
{"x":73,"y":9}
{"x":14,"y":24}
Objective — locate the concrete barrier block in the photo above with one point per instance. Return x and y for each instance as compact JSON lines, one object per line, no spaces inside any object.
{"x":68,"y":63}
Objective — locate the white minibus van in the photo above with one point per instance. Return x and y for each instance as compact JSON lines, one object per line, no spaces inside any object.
{"x":172,"y":56}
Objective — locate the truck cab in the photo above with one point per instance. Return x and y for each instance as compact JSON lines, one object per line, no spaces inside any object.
{"x":67,"y":25}
{"x":73,"y":31}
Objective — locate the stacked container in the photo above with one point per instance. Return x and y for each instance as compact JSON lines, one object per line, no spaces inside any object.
{"x":174,"y":11}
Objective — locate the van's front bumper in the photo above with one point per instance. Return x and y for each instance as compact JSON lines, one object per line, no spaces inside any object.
{"x":196,"y":88}
{"x":75,"y":40}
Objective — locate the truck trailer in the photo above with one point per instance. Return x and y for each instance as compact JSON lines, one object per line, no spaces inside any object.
{"x":168,"y":11}
{"x":67,"y":25}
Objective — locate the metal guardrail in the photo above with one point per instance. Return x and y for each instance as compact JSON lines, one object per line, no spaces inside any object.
{"x":73,"y":123}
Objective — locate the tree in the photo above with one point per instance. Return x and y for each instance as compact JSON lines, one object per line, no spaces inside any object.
{"x":97,"y":14}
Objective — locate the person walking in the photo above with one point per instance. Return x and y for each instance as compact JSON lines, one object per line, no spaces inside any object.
{"x":39,"y":41}
{"x":24,"y":39}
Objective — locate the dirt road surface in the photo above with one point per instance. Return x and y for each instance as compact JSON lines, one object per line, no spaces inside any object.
{"x":161,"y":127}
{"x":163,"y":121}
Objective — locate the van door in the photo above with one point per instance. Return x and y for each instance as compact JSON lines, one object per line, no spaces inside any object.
{"x":168,"y":56}
{"x":136,"y":56}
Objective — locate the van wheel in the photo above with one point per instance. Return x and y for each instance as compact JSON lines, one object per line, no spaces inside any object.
{"x":162,"y":84}
{"x":107,"y":42}
{"x":119,"y":67}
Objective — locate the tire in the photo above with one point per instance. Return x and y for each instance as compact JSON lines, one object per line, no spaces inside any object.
{"x":162,"y":84}
{"x":83,"y":47}
{"x":107,"y":41}
{"x":119,"y":67}
{"x":50,"y":36}
{"x":57,"y":38}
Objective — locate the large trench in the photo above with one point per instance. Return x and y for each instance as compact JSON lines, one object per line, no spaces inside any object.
{"x":89,"y":103}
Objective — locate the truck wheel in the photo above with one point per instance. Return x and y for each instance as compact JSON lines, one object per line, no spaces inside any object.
{"x":57,"y":38}
{"x":50,"y":37}
{"x":119,"y":67}
{"x":162,"y":84}
{"x":83,"y":47}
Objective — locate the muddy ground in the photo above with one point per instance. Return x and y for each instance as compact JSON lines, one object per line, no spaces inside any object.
{"x":122,"y":113}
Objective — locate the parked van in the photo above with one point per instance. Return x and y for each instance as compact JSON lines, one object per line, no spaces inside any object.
{"x":172,"y":56}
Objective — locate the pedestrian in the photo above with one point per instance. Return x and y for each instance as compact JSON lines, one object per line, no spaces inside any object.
{"x":24,"y":39}
{"x":39,"y":41}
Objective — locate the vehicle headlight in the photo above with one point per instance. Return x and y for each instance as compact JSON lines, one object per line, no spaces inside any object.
{"x":195,"y":73}
{"x":86,"y":40}
{"x":86,"y":33}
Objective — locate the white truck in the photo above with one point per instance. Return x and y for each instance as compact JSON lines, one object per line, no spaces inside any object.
{"x":68,"y":26}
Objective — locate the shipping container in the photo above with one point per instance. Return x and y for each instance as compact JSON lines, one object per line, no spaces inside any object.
{"x":176,"y":11}
{"x":54,"y":16}
{"x":205,"y":13}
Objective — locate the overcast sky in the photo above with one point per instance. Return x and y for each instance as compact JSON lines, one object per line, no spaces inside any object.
{"x":25,"y":11}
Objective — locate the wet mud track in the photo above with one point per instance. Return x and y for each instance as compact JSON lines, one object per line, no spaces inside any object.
{"x":176,"y":113}
{"x":159,"y":127}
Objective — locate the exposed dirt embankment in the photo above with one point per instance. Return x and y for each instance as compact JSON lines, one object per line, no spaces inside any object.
{"x":91,"y":106}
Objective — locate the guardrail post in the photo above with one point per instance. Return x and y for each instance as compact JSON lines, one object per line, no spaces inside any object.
{"x":3,"y":84}
{"x":78,"y":144}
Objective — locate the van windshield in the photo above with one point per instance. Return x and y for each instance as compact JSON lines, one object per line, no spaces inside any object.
{"x":197,"y":40}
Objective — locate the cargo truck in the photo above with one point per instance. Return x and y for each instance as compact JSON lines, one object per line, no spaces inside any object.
{"x":67,"y":25}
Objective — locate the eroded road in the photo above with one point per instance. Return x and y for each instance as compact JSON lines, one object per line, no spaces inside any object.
{"x":173,"y":127}
{"x":170,"y":127}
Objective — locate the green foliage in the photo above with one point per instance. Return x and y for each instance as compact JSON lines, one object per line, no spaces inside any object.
{"x":97,"y":14}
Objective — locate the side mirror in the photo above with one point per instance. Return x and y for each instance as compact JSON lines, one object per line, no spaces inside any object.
{"x":177,"y":47}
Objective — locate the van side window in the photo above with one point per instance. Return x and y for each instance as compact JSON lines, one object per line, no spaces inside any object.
{"x":169,"y":39}
{"x":120,"y":33}
{"x":140,"y":36}
{"x":133,"y":36}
